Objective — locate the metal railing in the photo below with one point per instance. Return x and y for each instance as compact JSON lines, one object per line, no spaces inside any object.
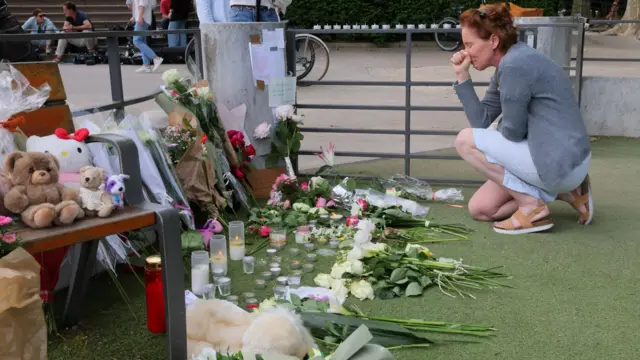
{"x":526,"y":31}
{"x":113,"y":58}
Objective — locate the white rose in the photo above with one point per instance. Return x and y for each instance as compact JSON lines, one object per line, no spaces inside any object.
{"x":170,"y":76}
{"x":317,"y":181}
{"x":356,"y":253}
{"x":262,"y":131}
{"x":366,"y":225}
{"x":339,"y":289}
{"x":323,"y":280}
{"x":338,"y":269}
{"x":416,"y":247}
{"x":362,"y":237}
{"x":362,"y":290}
{"x":357,"y":267}
{"x":355,"y":209}
{"x":206,"y":354}
{"x":371,"y":249}
{"x":204,"y":92}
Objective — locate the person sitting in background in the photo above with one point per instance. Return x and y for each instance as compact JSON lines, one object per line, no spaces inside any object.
{"x":39,"y":23}
{"x":178,"y":20}
{"x":212,"y":11}
{"x":77,"y":21}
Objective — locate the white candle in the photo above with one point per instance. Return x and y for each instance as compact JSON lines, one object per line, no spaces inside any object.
{"x":236,"y":249}
{"x":336,"y":217}
{"x":317,"y":27}
{"x":422,"y":26}
{"x":199,"y":279}
{"x":219,"y":261}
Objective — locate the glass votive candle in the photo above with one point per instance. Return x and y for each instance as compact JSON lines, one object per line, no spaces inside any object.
{"x":248,"y":295}
{"x":309,"y":246}
{"x":333,"y":244}
{"x":261,"y":262}
{"x":218,"y":274}
{"x":294,"y":251}
{"x":261,"y":283}
{"x":232,"y":299}
{"x":312,"y":224}
{"x":224,"y":286}
{"x":296,"y":264}
{"x":278,"y":238}
{"x":322,"y":240}
{"x":294,"y":281}
{"x":282,"y":280}
{"x":248,"y":264}
{"x":272,"y":252}
{"x":302,"y":234}
{"x":311,"y":257}
{"x":274,"y":265}
{"x":266,"y":275}
{"x":280,"y":292}
{"x":251,"y":305}
{"x":307,"y":268}
{"x":209,"y":292}
{"x":275,"y":271}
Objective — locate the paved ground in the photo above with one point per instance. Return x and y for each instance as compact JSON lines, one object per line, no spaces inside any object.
{"x":88,"y":86}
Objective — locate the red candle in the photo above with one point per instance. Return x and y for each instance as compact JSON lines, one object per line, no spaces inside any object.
{"x":156,"y":321}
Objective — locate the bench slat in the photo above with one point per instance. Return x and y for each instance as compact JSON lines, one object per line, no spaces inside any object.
{"x":127,"y":219}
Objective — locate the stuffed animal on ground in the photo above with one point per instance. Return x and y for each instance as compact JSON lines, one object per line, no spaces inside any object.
{"x":225,"y":327}
{"x":35,"y":193}
{"x":70,"y":149}
{"x":114,"y":186}
{"x":94,"y":202}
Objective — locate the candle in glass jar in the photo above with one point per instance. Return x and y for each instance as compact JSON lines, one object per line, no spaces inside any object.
{"x":333,"y":244}
{"x":271,"y":252}
{"x":218,"y":253}
{"x":260,"y":283}
{"x":336,"y":217}
{"x":236,"y":240}
{"x":266,"y":275}
{"x":311,"y":257}
{"x":295,"y":264}
{"x":278,"y":238}
{"x":307,"y":268}
{"x":309,"y":246}
{"x":275,"y":271}
{"x":302,"y":235}
{"x":199,"y":279}
{"x":281,"y":280}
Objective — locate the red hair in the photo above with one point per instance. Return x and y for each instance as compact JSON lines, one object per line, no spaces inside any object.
{"x":493,"y":19}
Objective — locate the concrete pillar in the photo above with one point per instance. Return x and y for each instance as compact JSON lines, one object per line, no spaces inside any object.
{"x":227,"y":67}
{"x":555,"y":42}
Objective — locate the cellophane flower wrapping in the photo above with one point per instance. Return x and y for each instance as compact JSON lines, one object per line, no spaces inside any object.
{"x":409,"y":186}
{"x":17,"y":96}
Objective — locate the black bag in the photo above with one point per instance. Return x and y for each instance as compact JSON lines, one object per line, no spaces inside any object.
{"x":14,"y":51}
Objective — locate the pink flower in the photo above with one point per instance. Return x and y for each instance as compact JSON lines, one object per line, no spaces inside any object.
{"x":9,"y":238}
{"x":251,"y":228}
{"x":328,"y":156}
{"x":264,"y":231}
{"x":321,"y":202}
{"x":287,"y":204}
{"x":304,"y":186}
{"x":282,"y":178}
{"x":352,"y":221}
{"x":331,"y":203}
{"x":271,"y":202}
{"x":5,"y":220}
{"x":363,"y":203}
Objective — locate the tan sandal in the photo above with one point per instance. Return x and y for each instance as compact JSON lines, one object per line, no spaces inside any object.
{"x":585,"y":199}
{"x":526,"y":225}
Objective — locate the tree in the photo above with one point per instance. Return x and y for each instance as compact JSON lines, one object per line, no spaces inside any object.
{"x":631,"y":13}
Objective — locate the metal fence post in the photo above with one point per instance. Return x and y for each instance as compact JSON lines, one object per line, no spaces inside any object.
{"x":407,"y":110}
{"x":115,"y":74}
{"x":580,"y":61}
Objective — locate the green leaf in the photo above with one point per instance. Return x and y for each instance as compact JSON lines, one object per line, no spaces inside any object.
{"x":414,"y":289}
{"x":323,"y":169}
{"x":397,"y":290}
{"x":295,"y":300}
{"x":398,"y":274}
{"x":351,"y":185}
{"x":378,"y":272}
{"x":192,"y":240}
{"x":402,"y":281}
{"x":413,"y":274}
{"x":425,"y":281}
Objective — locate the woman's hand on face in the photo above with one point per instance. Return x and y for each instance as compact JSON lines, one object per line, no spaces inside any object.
{"x":460,"y":62}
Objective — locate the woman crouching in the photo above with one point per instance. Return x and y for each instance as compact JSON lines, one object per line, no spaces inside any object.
{"x":540,"y":151}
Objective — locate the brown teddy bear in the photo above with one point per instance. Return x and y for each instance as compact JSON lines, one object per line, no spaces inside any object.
{"x":93,"y":200}
{"x":35,"y":193}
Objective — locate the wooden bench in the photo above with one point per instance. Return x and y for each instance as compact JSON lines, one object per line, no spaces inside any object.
{"x":137,"y":214}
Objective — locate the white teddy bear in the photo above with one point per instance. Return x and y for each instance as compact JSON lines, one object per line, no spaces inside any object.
{"x":70,"y":150}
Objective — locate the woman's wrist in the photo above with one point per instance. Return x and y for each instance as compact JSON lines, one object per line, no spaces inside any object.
{"x":462,"y":76}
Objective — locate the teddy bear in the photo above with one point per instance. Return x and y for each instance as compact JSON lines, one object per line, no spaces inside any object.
{"x":94,"y":202}
{"x":70,"y":149}
{"x":223,"y":326}
{"x":35,"y":193}
{"x":114,"y":186}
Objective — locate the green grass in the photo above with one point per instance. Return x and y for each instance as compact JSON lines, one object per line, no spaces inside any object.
{"x":575,"y":289}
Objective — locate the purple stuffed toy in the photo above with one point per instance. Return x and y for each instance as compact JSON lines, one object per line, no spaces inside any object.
{"x":114,"y":186}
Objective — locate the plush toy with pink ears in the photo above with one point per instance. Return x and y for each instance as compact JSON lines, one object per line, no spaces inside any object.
{"x":114,"y":186}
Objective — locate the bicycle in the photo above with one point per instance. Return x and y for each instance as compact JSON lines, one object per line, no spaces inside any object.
{"x":452,"y":22}
{"x":310,"y":51}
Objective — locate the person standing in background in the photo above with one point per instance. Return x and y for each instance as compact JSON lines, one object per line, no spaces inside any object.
{"x":178,"y":20}
{"x":142,"y":15}
{"x":212,"y":11}
{"x":39,"y":23}
{"x":165,"y":10}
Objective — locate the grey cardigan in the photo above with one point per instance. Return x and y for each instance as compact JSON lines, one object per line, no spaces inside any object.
{"x":537,"y":102}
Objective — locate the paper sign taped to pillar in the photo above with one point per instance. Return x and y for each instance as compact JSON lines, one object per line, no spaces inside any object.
{"x":273,"y":38}
{"x":282,"y":91}
{"x":266,"y":63}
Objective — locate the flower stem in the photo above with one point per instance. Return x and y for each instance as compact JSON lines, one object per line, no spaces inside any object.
{"x":408,"y":346}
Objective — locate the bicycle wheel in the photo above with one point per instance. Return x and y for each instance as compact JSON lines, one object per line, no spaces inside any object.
{"x":448,"y":41}
{"x":311,"y":54}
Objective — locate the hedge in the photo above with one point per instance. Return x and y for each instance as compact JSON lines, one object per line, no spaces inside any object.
{"x":306,"y":13}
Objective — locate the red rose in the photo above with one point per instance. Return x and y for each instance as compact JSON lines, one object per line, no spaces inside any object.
{"x":250,"y":150}
{"x":238,"y":173}
{"x":204,"y":138}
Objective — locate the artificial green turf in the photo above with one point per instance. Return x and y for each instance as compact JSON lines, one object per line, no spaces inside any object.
{"x":575,"y":296}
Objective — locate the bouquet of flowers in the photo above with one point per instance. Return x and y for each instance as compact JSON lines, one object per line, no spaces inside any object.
{"x":244,"y":153}
{"x":288,"y":138}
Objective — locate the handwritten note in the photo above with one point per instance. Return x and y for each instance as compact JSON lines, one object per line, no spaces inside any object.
{"x":282,"y":91}
{"x":273,"y":38}
{"x":266,"y":63}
